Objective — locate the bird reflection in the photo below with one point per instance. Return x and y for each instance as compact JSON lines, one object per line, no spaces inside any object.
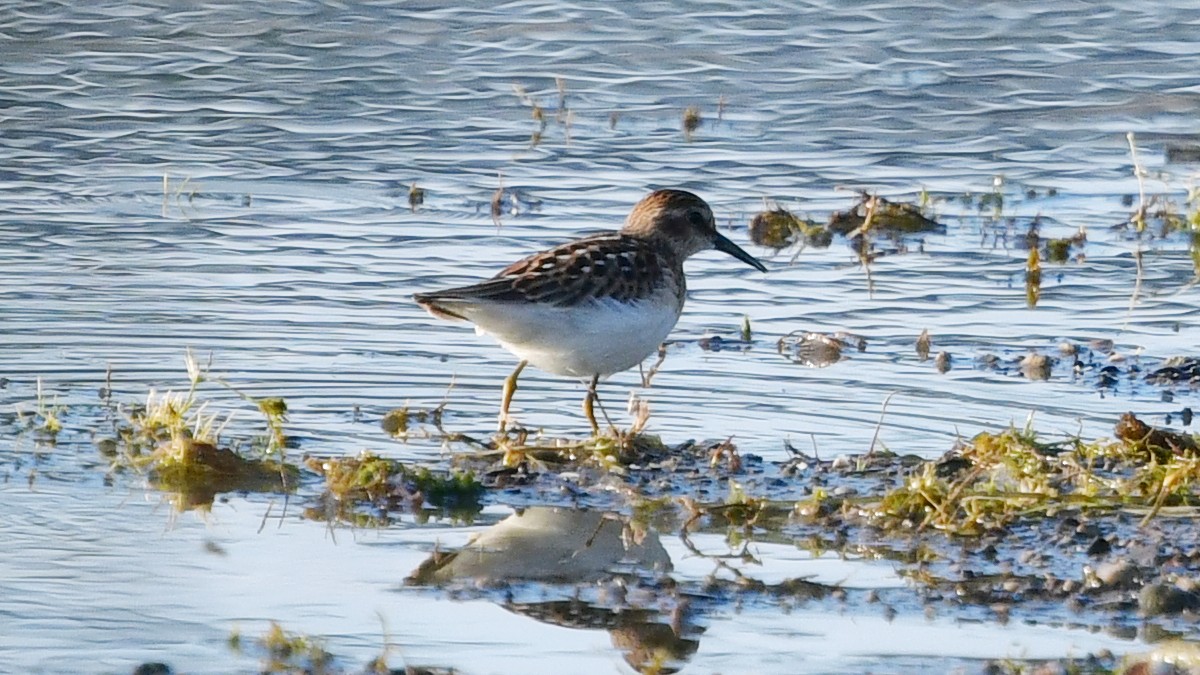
{"x":614,"y":574}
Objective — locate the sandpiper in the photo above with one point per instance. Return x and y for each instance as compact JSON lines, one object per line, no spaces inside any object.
{"x":593,"y":306}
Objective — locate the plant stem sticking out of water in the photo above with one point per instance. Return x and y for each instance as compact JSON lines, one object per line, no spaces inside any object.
{"x":177,"y":195}
{"x":924,"y":344}
{"x":535,"y":110}
{"x":561,"y":116}
{"x":864,"y":247}
{"x":498,"y":200}
{"x":691,"y":121}
{"x":1139,"y":221}
{"x":48,"y":418}
{"x":1139,"y":172}
{"x":649,"y":373}
{"x":879,"y":425}
{"x":1033,"y":277}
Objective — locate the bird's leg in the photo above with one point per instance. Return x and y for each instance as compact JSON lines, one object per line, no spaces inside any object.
{"x":510,"y":388}
{"x":589,"y":403}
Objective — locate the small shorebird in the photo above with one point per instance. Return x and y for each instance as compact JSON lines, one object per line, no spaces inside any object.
{"x":593,"y":306}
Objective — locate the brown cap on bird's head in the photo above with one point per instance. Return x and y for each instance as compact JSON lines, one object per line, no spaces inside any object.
{"x":684,"y":222}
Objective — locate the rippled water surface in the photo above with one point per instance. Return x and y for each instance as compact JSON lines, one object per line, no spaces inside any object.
{"x":234,"y":178}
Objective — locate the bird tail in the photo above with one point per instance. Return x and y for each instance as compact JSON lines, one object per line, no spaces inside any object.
{"x":439,"y":306}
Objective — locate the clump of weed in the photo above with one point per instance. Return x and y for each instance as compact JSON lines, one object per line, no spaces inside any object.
{"x":873,"y":215}
{"x":177,"y":443}
{"x":288,"y":652}
{"x":778,"y":228}
{"x":416,"y":197}
{"x":995,"y":479}
{"x":1058,"y":250}
{"x":388,"y":484}
{"x":613,"y":450}
{"x":691,"y":121}
{"x":46,"y":419}
{"x":923,"y":345}
{"x":274,"y":410}
{"x":1051,"y":249}
{"x":886,"y":217}
{"x":993,"y":200}
{"x":396,"y":421}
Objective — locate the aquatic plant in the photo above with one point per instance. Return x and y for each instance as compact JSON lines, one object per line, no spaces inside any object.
{"x":362,"y":490}
{"x":177,"y":443}
{"x":691,"y":121}
{"x":873,"y":213}
{"x":416,"y":197}
{"x":290,"y":652}
{"x":1033,"y":277}
{"x":46,"y":418}
{"x":995,"y":479}
{"x":776,"y":227}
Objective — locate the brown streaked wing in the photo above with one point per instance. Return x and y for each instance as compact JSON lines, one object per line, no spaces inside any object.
{"x":609,"y":265}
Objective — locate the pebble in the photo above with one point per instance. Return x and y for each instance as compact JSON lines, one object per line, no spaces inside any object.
{"x":1099,"y":547}
{"x":1116,"y":574}
{"x":1158,"y":598}
{"x":943,"y":362}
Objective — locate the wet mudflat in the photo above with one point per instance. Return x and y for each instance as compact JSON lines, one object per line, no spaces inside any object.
{"x":804,"y":483}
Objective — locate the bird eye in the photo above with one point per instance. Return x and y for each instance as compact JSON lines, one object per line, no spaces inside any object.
{"x":697,"y":218}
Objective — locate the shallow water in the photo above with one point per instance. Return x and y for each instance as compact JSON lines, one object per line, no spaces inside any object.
{"x":233,"y":178}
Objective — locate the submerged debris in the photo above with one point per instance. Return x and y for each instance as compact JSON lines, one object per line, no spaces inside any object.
{"x":889,"y":217}
{"x":396,"y":422}
{"x":287,"y":652}
{"x":779,"y":228}
{"x":1160,"y":443}
{"x":1051,"y":249}
{"x":416,"y":197}
{"x":818,"y":350}
{"x":1176,"y":370}
{"x":497,"y":203}
{"x":943,"y":362}
{"x":691,"y":121}
{"x":1037,"y":366}
{"x":717,"y":343}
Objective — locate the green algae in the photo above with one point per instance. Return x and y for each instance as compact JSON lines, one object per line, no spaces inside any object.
{"x":369,"y":481}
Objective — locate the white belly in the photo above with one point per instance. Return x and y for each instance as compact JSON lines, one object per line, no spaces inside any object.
{"x":597,"y":338}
